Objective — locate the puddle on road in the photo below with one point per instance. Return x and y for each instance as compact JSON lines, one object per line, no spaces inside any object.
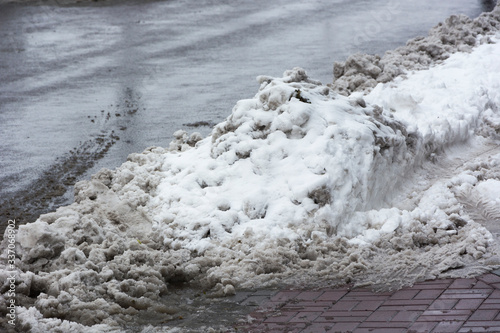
{"x":193,"y":310}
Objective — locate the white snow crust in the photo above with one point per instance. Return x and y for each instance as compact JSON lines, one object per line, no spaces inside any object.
{"x":300,"y":185}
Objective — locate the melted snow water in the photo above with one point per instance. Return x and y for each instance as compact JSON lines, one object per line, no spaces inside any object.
{"x":83,"y":85}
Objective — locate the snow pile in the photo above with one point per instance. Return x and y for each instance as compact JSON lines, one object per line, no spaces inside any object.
{"x":362,"y":72}
{"x":299,"y":184}
{"x":294,"y":155}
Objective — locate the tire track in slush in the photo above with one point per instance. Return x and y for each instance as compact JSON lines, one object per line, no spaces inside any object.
{"x":481,"y":210}
{"x":477,"y":204}
{"x":446,"y":166}
{"x":53,"y":188}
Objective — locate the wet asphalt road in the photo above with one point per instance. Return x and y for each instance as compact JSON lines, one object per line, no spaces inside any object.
{"x":84,"y":85}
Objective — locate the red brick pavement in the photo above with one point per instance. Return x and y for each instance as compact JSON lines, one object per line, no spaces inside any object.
{"x":451,"y":305}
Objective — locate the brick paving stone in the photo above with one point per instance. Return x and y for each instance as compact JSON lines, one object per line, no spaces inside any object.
{"x":481,"y":285}
{"x":483,"y":323}
{"x":295,"y":302}
{"x":437,"y":315}
{"x":463,"y":284}
{"x":441,"y":281}
{"x":343,"y":327}
{"x":368,"y":305}
{"x":317,"y":328}
{"x":304,"y":309}
{"x":443,"y":313}
{"x":332,"y":295}
{"x":429,"y":294}
{"x":490,"y":278}
{"x":340,"y":319}
{"x":455,"y":305}
{"x":408,"y":316}
{"x":305,"y":316}
{"x":309,"y":295}
{"x":358,"y":297}
{"x":345,"y":316}
{"x":441,"y":318}
{"x":489,"y":306}
{"x":468,"y":304}
{"x":401,"y":302}
{"x":463,"y":295}
{"x":448,"y":326}
{"x":468,"y":291}
{"x":365,"y":292}
{"x":264,"y":292}
{"x":379,"y":330}
{"x":381,"y":315}
{"x":344,"y":305}
{"x":382,"y":324}
{"x":309,"y":306}
{"x":331,"y":313}
{"x":423,"y":327}
{"x":492,"y":300}
{"x":403,"y":307}
{"x":423,"y":318}
{"x":443,"y":304}
{"x":432,"y":285}
{"x":484,"y":315}
{"x":404,"y":294}
{"x":493,"y":329}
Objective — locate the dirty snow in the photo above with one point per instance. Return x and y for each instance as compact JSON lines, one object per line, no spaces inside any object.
{"x":300,"y":185}
{"x":458,"y":33}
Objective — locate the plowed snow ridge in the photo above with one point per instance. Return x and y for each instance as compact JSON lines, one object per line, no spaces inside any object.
{"x":299,"y":185}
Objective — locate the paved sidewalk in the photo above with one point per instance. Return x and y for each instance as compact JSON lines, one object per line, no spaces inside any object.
{"x":451,"y":305}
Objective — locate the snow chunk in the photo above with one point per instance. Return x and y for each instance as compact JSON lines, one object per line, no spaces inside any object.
{"x":491,"y":190}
